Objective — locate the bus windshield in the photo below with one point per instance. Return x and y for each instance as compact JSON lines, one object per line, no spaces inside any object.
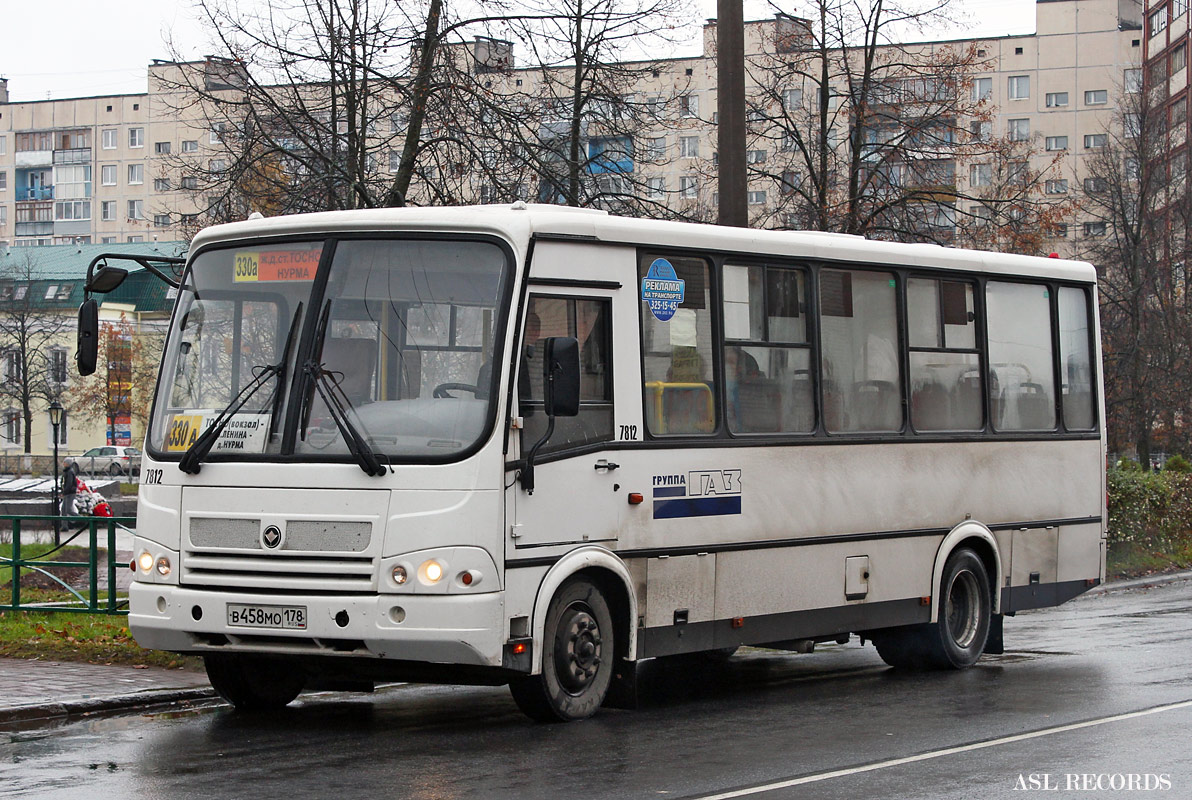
{"x":400,"y":341}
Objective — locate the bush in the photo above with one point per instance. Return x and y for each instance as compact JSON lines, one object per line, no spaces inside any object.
{"x":1178,"y":464}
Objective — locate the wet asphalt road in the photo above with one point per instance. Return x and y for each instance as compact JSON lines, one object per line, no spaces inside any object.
{"x":836,"y":724}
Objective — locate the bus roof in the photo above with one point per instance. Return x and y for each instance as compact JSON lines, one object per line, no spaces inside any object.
{"x":519,"y":221}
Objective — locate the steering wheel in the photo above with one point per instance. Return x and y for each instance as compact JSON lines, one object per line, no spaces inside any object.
{"x":443,"y":388}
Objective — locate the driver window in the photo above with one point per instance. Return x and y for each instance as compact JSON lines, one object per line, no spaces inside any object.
{"x":588,"y":321}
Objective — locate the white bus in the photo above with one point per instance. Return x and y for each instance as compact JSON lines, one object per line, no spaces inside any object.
{"x":535,"y":445}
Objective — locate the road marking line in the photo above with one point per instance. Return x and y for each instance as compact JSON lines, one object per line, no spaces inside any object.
{"x":897,"y":762}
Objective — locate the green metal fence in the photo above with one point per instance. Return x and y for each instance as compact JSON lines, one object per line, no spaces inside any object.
{"x":73,"y":528}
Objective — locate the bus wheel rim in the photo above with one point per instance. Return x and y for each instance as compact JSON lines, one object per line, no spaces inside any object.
{"x":577,"y":648}
{"x":963,"y":612}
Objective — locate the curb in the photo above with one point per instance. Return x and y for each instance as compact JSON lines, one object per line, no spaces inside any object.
{"x":80,"y":708}
{"x":1141,"y":583}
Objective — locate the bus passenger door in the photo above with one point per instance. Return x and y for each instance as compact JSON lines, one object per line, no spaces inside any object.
{"x":577,"y":495}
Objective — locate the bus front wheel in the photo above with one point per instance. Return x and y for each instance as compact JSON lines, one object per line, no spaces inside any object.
{"x":577,"y":659}
{"x":254,"y":683}
{"x":957,"y":639}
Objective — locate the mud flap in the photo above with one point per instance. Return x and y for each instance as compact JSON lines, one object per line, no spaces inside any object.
{"x":994,"y":644}
{"x":622,"y":691}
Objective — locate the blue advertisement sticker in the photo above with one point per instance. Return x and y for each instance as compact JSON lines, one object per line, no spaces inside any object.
{"x":662,"y":289}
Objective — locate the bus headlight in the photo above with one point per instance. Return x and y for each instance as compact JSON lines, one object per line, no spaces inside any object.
{"x":431,"y":571}
{"x":399,"y":574}
{"x":145,"y":562}
{"x":163,"y":566}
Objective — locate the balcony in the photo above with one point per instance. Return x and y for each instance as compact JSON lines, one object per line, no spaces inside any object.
{"x":34,"y":228}
{"x":34,"y":158}
{"x":79,"y":155}
{"x":35,"y":193}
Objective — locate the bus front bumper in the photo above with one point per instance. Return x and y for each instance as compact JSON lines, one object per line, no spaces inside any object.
{"x":443,"y":629}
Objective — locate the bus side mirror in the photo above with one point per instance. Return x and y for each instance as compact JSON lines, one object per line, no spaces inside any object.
{"x":561,"y":376}
{"x":87,"y":346}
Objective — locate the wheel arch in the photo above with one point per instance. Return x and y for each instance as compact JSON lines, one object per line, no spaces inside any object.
{"x":609,"y":572}
{"x":980,"y":539}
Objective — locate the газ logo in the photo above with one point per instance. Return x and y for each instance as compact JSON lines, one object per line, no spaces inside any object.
{"x":698,"y":493}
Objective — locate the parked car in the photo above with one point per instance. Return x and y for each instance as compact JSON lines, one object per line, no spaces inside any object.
{"x":110,"y":461}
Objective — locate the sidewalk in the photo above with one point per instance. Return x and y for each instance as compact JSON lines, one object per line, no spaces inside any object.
{"x":35,"y":691}
{"x":32,"y":690}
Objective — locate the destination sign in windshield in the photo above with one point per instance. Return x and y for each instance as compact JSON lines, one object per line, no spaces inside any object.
{"x":276,"y":265}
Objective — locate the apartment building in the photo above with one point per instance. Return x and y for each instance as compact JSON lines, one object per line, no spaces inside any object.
{"x":114,"y":169}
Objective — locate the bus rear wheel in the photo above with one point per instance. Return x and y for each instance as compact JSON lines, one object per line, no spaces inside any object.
{"x":254,"y":683}
{"x":577,"y":658}
{"x":957,"y":639}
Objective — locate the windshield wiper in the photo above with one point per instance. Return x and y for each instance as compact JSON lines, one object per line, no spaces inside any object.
{"x":338,"y":404}
{"x":192,"y":460}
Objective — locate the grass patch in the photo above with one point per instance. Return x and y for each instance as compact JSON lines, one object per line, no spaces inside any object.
{"x":93,"y":639}
{"x":1140,"y":559}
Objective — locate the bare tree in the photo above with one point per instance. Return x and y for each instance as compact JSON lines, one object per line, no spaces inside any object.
{"x":868,"y":133}
{"x":594,"y":109}
{"x":34,"y":327}
{"x":1136,"y":203}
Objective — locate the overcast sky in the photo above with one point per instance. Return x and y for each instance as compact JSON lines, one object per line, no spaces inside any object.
{"x":80,"y":48}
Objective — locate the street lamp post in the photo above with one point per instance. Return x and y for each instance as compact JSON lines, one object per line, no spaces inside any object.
{"x":55,"y":421}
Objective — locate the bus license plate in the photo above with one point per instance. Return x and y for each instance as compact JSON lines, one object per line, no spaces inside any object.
{"x":284,"y":617}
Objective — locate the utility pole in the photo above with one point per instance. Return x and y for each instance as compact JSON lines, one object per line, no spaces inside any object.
{"x":730,"y":101}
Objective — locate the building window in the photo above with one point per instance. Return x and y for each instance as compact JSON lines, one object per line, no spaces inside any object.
{"x":981,"y":131}
{"x":161,"y":148}
{"x":3,"y":216}
{"x":1097,"y":97}
{"x":58,"y":365}
{"x":1056,"y":143}
{"x":1095,"y":140}
{"x":190,"y":146}
{"x":3,"y":145}
{"x":1094,"y":229}
{"x":1020,"y":87}
{"x":72,"y":210}
{"x":136,"y":174}
{"x":1057,"y":186}
{"x":190,"y":182}
{"x":217,"y":165}
{"x":982,"y":89}
{"x":161,"y":220}
{"x":1132,"y":80}
{"x":3,"y":181}
{"x":136,"y":209}
{"x":687,"y":186}
{"x":107,"y":239}
{"x":1179,"y":59}
{"x":1020,"y":130}
{"x":689,"y":147}
{"x":688,"y":106}
{"x":215,"y":136}
{"x":1179,"y":111}
{"x":107,"y":175}
{"x":655,"y":148}
{"x":1095,"y":185}
{"x":110,"y":138}
{"x":1178,"y":8}
{"x":136,"y":137}
{"x":1158,"y":21}
{"x":10,"y":429}
{"x":655,"y":188}
{"x":757,"y":198}
{"x":10,"y":366}
{"x":1018,"y":172}
{"x":161,"y":184}
{"x":107,"y":210}
{"x":1057,"y":99}
{"x":792,"y":99}
{"x":755,"y":156}
{"x":980,"y":175}
{"x":135,"y":239}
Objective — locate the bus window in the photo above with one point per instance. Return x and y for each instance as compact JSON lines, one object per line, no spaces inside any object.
{"x":861,"y":373}
{"x":588,"y":321}
{"x":767,"y":358}
{"x":945,"y":363}
{"x":1021,"y":382}
{"x":1077,"y":376}
{"x":677,"y":345}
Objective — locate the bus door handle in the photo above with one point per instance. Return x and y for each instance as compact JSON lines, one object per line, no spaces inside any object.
{"x":604,"y":463}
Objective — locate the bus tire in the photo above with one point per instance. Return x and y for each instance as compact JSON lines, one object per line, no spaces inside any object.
{"x":578,"y":657}
{"x":957,"y":639}
{"x":254,"y":683}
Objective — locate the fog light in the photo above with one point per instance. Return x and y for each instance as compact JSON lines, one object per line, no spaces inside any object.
{"x":399,"y":574}
{"x":145,"y":562}
{"x":432,"y":571}
{"x":163,"y":566}
{"x":465,"y":578}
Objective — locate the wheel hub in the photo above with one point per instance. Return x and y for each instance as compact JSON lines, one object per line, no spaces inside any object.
{"x":963,"y":609}
{"x":577,"y":649}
